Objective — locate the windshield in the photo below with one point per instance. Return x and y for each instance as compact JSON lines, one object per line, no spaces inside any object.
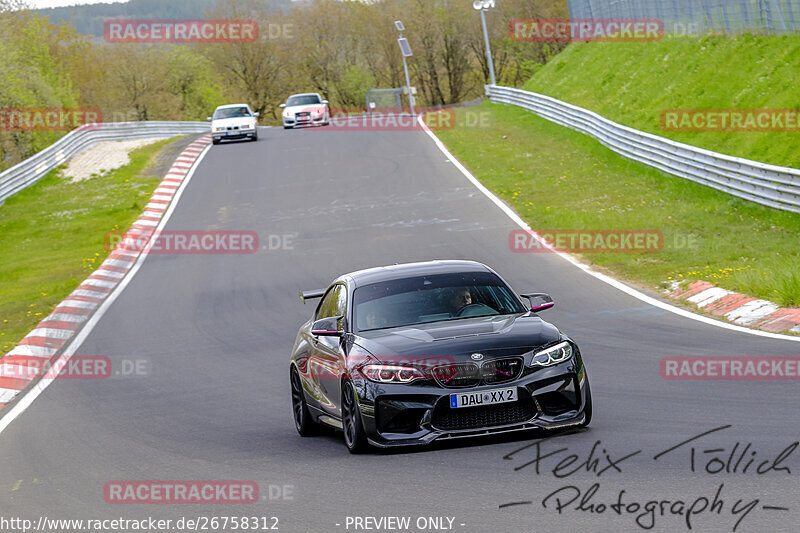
{"x":231,"y":112}
{"x":420,"y":300}
{"x":303,"y":99}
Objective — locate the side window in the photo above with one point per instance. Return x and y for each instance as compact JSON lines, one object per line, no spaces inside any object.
{"x":334,"y":301}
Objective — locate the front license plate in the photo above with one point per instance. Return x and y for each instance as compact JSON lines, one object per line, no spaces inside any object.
{"x":484,"y":397}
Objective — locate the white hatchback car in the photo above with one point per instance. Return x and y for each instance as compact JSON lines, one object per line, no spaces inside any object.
{"x":233,"y":121}
{"x":306,"y":109}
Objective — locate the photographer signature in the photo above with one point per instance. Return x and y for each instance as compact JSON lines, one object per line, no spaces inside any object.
{"x":738,"y":458}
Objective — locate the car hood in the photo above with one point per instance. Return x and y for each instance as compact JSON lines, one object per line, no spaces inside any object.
{"x":230,"y":122}
{"x":459,"y":339}
{"x":298,"y":108}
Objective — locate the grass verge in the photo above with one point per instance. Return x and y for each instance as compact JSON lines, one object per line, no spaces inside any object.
{"x":556,"y":179}
{"x":51,"y":237}
{"x":632,"y":83}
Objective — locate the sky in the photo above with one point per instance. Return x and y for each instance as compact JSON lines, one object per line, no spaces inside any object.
{"x":39,"y":4}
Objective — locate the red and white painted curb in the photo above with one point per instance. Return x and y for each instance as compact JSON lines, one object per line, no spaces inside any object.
{"x":740,"y":308}
{"x":54,"y":332}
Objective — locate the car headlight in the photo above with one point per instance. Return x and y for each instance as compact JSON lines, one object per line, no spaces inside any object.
{"x":286,"y":114}
{"x":219,"y":129}
{"x":552,"y":355}
{"x":391,"y":373}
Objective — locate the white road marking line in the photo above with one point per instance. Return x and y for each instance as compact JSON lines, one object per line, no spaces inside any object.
{"x":30,"y":350}
{"x":117,"y":263}
{"x":121,"y":251}
{"x":66,"y":317}
{"x":109,"y":273}
{"x":18,"y":371}
{"x":703,"y":298}
{"x":51,"y":333}
{"x":7,"y":395}
{"x":25,"y":401}
{"x":146,"y":222}
{"x":586,"y":268}
{"x":79,"y":303}
{"x":98,"y":283}
{"x":751,"y":311}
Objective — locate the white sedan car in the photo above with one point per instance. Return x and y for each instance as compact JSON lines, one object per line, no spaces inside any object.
{"x":234,"y":121}
{"x":307,"y":109}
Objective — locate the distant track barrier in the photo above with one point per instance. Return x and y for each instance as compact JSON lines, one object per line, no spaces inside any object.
{"x":28,"y":172}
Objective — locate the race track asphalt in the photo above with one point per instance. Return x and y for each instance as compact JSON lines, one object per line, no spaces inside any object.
{"x":215,"y":332}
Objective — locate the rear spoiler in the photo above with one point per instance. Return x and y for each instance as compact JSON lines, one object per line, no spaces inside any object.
{"x":310,"y":295}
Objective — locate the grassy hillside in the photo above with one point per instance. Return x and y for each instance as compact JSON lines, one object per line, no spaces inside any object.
{"x":632,"y":83}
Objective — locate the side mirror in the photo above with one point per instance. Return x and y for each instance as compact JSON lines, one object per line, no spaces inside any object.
{"x":208,"y":119}
{"x":324,"y":101}
{"x":327,"y":327}
{"x":539,"y":301}
{"x":257,"y":114}
{"x":282,"y":105}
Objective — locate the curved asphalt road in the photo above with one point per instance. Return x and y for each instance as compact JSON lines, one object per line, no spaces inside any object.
{"x":216,"y":331}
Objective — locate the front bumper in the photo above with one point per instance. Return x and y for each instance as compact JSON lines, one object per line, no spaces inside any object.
{"x":243,"y":133}
{"x":419,"y":413}
{"x":295,"y":121}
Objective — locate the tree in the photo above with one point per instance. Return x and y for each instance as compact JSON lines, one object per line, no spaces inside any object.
{"x":256,"y":70}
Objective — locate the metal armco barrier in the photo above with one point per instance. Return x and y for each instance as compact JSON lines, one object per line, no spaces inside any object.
{"x":769,"y":185}
{"x":34,"y":168}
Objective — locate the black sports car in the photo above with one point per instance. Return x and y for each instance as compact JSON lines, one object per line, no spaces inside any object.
{"x":408,"y":354}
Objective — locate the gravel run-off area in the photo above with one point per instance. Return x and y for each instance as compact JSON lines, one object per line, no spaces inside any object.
{"x":101,"y":158}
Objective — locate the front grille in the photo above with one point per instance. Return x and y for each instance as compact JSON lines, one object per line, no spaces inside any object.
{"x":446,"y":418}
{"x":501,"y":370}
{"x":457,"y":375}
{"x":492,"y":372}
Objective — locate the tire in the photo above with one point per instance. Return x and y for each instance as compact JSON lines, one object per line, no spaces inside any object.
{"x":352,"y":426}
{"x":287,"y":127}
{"x":255,"y":137}
{"x":587,"y":410}
{"x":215,"y":141}
{"x":303,"y":422}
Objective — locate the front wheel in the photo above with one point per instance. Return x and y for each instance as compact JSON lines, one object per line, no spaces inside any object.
{"x":215,"y":141}
{"x":354,"y":436}
{"x":306,"y":427}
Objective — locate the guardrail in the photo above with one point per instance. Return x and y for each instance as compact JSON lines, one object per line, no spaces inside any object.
{"x":769,"y":185}
{"x":34,"y":168}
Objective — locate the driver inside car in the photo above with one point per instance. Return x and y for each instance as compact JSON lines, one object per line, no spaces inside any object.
{"x":459,"y":299}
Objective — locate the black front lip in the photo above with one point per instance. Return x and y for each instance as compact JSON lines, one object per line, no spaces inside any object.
{"x":436,"y":435}
{"x":426,"y":395}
